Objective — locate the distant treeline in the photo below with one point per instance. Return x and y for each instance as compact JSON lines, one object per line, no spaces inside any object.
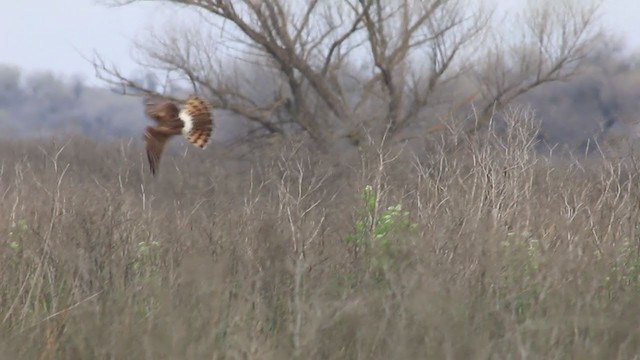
{"x":39,"y":104}
{"x":602,"y":100}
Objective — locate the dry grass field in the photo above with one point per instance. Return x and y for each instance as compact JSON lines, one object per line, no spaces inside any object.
{"x":481,"y":249}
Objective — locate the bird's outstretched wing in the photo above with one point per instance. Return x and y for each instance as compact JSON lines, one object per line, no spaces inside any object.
{"x":155,"y":139}
{"x":198,"y":122}
{"x":193,"y":120}
{"x":162,"y":111}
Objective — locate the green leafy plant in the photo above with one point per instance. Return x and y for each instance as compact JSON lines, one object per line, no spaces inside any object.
{"x":520,"y":261}
{"x":624,"y":272}
{"x":16,"y":231}
{"x":146,"y":255}
{"x":147,"y":272}
{"x":375,"y":228}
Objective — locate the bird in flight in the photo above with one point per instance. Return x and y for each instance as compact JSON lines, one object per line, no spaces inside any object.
{"x":193,"y":120}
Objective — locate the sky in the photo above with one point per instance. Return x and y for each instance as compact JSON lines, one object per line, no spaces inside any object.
{"x":55,"y":35}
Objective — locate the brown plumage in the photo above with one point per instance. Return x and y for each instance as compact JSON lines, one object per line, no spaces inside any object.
{"x":193,"y":120}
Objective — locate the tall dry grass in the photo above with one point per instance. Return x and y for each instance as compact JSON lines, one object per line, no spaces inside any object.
{"x":482,"y":249}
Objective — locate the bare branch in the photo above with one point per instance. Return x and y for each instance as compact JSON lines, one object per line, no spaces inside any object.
{"x":556,"y":39}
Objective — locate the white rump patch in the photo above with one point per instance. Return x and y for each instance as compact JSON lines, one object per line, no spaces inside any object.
{"x":187,"y":120}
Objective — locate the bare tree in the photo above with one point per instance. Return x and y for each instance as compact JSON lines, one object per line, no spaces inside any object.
{"x":552,"y":45}
{"x":411,"y":55}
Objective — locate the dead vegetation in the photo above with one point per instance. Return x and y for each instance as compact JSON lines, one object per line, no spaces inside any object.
{"x":476,"y":248}
{"x":483,"y":249}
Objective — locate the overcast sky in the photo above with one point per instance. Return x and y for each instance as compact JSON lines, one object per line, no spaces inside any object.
{"x":53,"y":34}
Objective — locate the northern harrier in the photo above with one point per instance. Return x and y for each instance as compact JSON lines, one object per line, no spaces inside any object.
{"x":193,"y":120}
